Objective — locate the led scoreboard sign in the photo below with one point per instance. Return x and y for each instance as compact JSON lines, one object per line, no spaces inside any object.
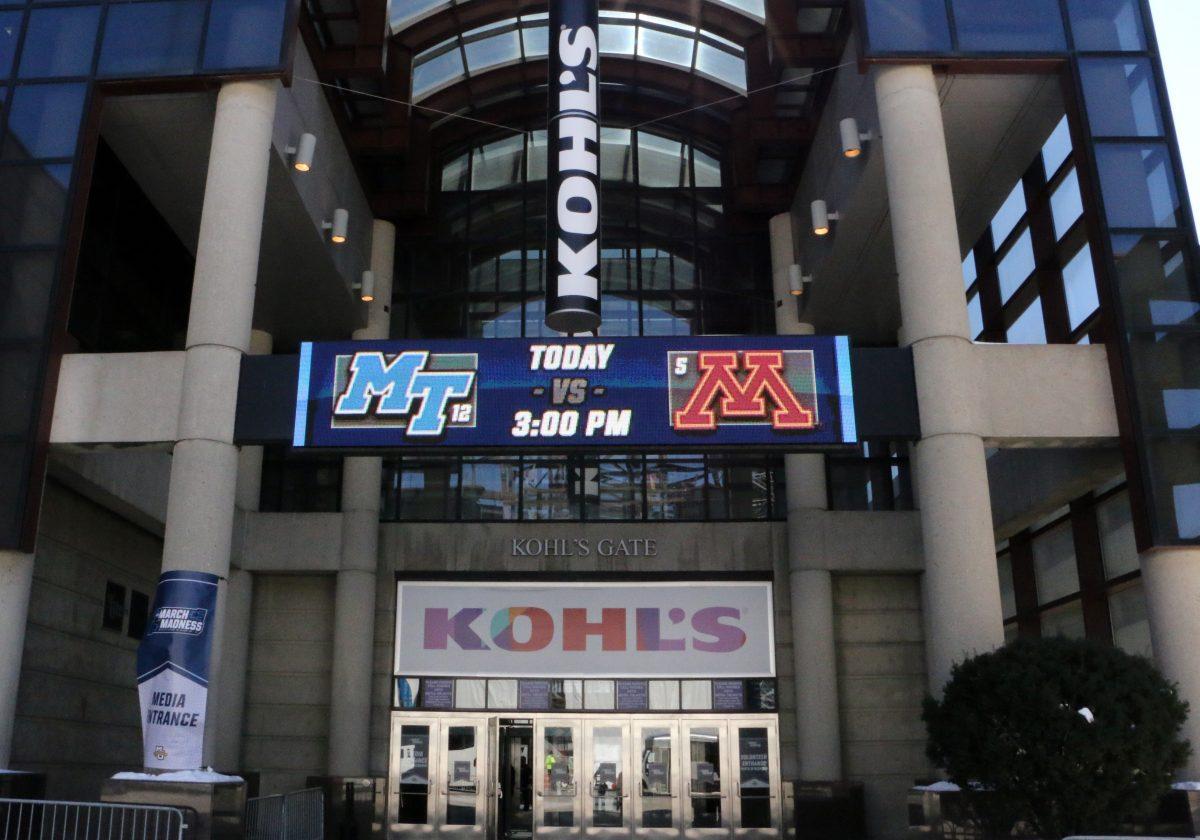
{"x":693,"y":393}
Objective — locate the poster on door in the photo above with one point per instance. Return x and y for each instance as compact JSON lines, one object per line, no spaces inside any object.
{"x":753,"y":765}
{"x":414,"y":755}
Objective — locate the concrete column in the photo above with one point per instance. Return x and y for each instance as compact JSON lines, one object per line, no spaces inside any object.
{"x":961,"y":589}
{"x":16,"y":582}
{"x":354,"y":604}
{"x":818,"y":726}
{"x":204,"y":465}
{"x":1172,"y":581}
{"x":233,"y":614}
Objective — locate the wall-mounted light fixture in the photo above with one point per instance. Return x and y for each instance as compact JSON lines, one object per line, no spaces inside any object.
{"x":797,"y":280}
{"x":366,"y":286}
{"x":852,"y":138}
{"x":338,"y":227}
{"x":821,"y":216}
{"x":302,"y":153}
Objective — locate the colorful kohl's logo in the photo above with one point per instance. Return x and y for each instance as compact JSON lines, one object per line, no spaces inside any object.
{"x":421,"y":392}
{"x":713,"y":629}
{"x":710,"y":388}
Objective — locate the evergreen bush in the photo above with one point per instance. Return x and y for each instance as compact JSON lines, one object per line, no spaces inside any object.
{"x":1013,"y":730}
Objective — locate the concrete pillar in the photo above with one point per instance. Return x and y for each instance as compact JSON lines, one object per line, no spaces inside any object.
{"x":961,"y":589}
{"x":1172,"y":581}
{"x":16,"y":582}
{"x":354,"y":603}
{"x":233,"y":613}
{"x":818,"y":726}
{"x":204,"y":465}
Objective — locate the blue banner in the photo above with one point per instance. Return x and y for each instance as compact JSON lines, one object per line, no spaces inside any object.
{"x":688,"y":393}
{"x":173,"y":666}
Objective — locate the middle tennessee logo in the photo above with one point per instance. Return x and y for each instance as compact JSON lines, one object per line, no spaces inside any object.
{"x":419,"y":391}
{"x":714,"y":387}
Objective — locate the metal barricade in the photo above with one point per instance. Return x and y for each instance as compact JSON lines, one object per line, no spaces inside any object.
{"x":288,"y":816}
{"x":32,"y":819}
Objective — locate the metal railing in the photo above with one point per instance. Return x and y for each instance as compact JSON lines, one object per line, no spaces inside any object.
{"x":289,"y":816}
{"x":32,"y":819}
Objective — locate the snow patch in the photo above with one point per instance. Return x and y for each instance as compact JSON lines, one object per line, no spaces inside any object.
{"x":939,"y":787}
{"x":194,"y":777}
{"x":1186,"y":786}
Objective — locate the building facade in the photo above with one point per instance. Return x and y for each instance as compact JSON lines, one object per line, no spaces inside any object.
{"x":986,"y":199}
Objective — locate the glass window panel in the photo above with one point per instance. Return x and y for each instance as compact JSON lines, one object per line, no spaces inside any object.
{"x":599,"y":694}
{"x":708,"y":169}
{"x":753,"y":8}
{"x":536,"y":165}
{"x":502,"y":694}
{"x":813,"y":21}
{"x":470,"y":694}
{"x":1015,"y":266}
{"x":434,"y":72}
{"x":498,"y":164}
{"x":559,"y":776}
{"x":34,"y":205}
{"x":1058,"y":148}
{"x":1130,"y":621}
{"x":969,"y":270}
{"x":19,"y":372}
{"x":1011,"y":632}
{"x":704,"y":777}
{"x":59,"y":42}
{"x":675,"y":487}
{"x":1066,"y":204}
{"x":497,"y":49}
{"x":245,"y":33}
{"x":726,"y":68}
{"x":1079,"y":283}
{"x":662,"y":162}
{"x":1121,"y":97}
{"x":664,"y":695}
{"x":1138,"y":183}
{"x":1008,"y":596}
{"x":1182,"y":408}
{"x":616,"y":154}
{"x":1187,"y":508}
{"x":607,"y":779}
{"x":454,"y":175}
{"x":656,"y":759}
{"x":414,"y":775}
{"x":612,"y":487}
{"x":1009,"y":215}
{"x":143,"y":39}
{"x":43,"y":121}
{"x":1021,"y":26}
{"x":10,"y":31}
{"x":1054,"y":564}
{"x":618,"y":39}
{"x":908,"y":26}
{"x":696,"y":694}
{"x":572,"y":694}
{"x":1107,"y":25}
{"x":428,"y":490}
{"x":657,"y":45}
{"x":26,"y":284}
{"x":462,"y":774}
{"x":754,"y":777}
{"x":1158,"y":291}
{"x":975,"y":315}
{"x":1066,"y":620}
{"x":550,"y":489}
{"x":1118,"y":544}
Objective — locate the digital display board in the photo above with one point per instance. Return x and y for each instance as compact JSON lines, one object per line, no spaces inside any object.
{"x":684,"y":393}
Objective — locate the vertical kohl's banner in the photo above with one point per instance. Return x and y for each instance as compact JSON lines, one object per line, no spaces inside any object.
{"x":685,"y":393}
{"x":173,"y":667}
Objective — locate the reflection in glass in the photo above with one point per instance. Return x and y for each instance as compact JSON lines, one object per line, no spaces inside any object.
{"x":656,"y":761}
{"x":1118,"y":545}
{"x":1130,"y":621}
{"x":1079,"y":282}
{"x":43,"y":121}
{"x":1138,"y":183}
{"x":413,"y":769}
{"x":1054,"y":564}
{"x":1066,"y":205}
{"x":1066,"y":620}
{"x":10,"y":31}
{"x":244,"y":33}
{"x":558,"y":781}
{"x":1016,"y":265}
{"x":461,"y":775}
{"x":1121,"y":97}
{"x":607,"y":777}
{"x":754,"y":777}
{"x":1011,"y":26}
{"x":1107,"y":25}
{"x":612,"y":488}
{"x":493,"y":51}
{"x":704,"y":776}
{"x":908,"y":26}
{"x":59,"y":42}
{"x":599,"y":694}
{"x":152,"y":38}
{"x":675,"y":487}
{"x":34,"y":205}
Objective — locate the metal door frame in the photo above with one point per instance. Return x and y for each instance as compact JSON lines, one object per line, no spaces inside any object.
{"x":775,"y":790}
{"x":429,"y":827}
{"x":444,"y":784}
{"x":674,"y":781}
{"x":724,"y":776}
{"x":540,"y":830}
{"x":623,"y":724}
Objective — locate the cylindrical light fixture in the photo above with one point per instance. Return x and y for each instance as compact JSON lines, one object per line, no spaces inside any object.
{"x":796,"y":280}
{"x":852,"y":138}
{"x":821,"y":216}
{"x":302,"y":153}
{"x":368,"y":286}
{"x":339,"y":227}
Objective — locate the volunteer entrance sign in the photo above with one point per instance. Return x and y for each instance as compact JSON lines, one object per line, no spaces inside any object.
{"x":686,"y":393}
{"x":639,"y":629}
{"x":173,"y":667}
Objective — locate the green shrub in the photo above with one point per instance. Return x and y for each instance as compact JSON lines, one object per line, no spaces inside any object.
{"x":1009,"y":731}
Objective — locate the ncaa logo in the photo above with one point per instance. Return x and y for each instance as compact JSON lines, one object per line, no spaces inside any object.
{"x":709,"y":388}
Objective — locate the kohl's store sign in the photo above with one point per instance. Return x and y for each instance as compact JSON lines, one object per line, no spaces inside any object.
{"x":529,"y":629}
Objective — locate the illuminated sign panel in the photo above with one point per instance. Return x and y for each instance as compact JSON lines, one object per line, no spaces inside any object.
{"x":693,"y":393}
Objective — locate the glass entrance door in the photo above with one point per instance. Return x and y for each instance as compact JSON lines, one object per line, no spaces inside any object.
{"x":606,"y":762}
{"x":705,"y":757}
{"x":462,"y":806}
{"x":757,"y":807}
{"x":656,"y":803}
{"x":411,"y":795}
{"x":557,"y":807}
{"x":436,"y":783}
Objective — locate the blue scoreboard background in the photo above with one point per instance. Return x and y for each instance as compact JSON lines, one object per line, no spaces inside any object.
{"x":685,"y":392}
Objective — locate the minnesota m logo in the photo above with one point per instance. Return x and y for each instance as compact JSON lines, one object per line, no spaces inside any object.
{"x":720,"y":394}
